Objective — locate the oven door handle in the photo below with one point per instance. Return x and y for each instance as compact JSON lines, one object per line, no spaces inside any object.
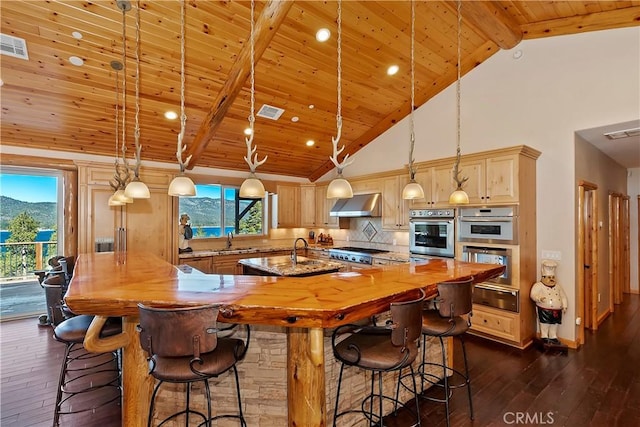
{"x":493,"y":219}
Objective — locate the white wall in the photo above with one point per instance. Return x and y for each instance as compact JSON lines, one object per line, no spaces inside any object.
{"x":633,"y":190}
{"x":560,"y":85}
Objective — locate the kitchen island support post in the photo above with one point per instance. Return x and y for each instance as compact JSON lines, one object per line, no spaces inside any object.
{"x":137,"y":384}
{"x":306,"y":398}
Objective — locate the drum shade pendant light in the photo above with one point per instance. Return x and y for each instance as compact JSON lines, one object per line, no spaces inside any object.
{"x":136,"y":189}
{"x":252,"y":187}
{"x":459,"y":196}
{"x":339,"y":187}
{"x":182,"y":184}
{"x":412,"y":190}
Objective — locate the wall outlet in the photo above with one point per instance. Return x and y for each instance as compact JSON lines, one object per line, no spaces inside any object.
{"x":395,"y":242}
{"x":598,"y":296}
{"x":347,"y":238}
{"x":552,"y":255}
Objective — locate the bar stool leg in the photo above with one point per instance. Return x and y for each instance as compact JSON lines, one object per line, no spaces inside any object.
{"x":467,"y":377}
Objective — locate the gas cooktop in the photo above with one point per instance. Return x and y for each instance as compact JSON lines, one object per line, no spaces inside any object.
{"x":354,"y":254}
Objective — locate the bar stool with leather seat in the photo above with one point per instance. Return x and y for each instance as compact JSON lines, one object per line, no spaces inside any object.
{"x":185,"y":345}
{"x":450,"y":318}
{"x":380,"y":349}
{"x":85,"y":376}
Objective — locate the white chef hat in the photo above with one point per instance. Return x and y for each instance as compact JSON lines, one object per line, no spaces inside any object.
{"x":549,"y":267}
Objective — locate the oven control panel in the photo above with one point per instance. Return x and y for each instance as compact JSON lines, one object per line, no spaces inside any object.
{"x":431,"y":213}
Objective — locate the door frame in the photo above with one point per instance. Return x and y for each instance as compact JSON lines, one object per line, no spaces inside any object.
{"x":587,"y":221}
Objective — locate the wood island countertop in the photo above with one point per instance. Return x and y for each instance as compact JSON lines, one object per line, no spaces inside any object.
{"x":109,"y":284}
{"x":112,"y":284}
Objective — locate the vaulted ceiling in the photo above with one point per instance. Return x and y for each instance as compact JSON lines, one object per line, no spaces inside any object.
{"x":48,"y":103}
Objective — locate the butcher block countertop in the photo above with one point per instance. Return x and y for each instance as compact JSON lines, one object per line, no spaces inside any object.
{"x":283,"y":265}
{"x":111,"y":284}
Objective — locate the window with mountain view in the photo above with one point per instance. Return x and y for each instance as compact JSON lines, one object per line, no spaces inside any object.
{"x":218,"y":210}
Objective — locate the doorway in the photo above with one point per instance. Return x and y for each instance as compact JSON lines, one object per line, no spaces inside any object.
{"x":587,"y":266}
{"x":31,"y":221}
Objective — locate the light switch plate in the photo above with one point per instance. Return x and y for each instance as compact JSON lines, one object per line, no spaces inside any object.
{"x":553,"y":255}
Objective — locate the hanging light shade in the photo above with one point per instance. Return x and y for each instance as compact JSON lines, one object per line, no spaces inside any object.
{"x":121,"y":196}
{"x":459,"y":196}
{"x":113,"y":202}
{"x":252,"y":188}
{"x":339,"y":187}
{"x":137,"y":189}
{"x":182,"y":186}
{"x":412,"y":190}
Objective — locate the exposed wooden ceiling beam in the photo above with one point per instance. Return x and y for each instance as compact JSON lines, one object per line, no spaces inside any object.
{"x":266,"y":27}
{"x":618,"y":18}
{"x":494,"y":23}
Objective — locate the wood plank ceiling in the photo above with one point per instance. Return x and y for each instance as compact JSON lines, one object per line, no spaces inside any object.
{"x":48,"y":103}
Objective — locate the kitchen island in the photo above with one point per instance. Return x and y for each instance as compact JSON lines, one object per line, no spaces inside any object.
{"x":285,"y":266}
{"x":112,"y":284}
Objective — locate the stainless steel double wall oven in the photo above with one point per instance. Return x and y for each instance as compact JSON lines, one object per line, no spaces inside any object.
{"x":432,"y":232}
{"x":496,"y":227}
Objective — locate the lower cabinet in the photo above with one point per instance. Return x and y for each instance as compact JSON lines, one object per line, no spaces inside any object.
{"x":202,"y":264}
{"x":497,"y":323}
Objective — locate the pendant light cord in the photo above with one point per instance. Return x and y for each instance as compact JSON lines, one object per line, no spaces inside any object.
{"x":412,"y":135}
{"x":253,"y":81}
{"x":136,"y":169}
{"x":458,"y":84}
{"x":339,"y":109}
{"x":124,"y":88}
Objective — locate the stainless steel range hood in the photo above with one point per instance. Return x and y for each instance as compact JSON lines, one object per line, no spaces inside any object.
{"x":359,"y":205}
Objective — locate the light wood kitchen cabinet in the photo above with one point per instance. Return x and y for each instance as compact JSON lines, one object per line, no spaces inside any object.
{"x":493,"y":180}
{"x":148,"y":222}
{"x":366,"y":186}
{"x":437,"y":183}
{"x":202,"y":264}
{"x":226,"y":264}
{"x":308,"y":209}
{"x":323,"y":207}
{"x":395,"y":210}
{"x":499,"y":323}
{"x":288,"y":206}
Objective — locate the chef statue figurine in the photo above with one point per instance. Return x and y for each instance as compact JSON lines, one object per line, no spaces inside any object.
{"x":551,"y":302}
{"x":184,"y":234}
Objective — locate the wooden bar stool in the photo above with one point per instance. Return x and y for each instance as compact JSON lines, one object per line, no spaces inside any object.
{"x":184,"y":346}
{"x":379,"y":349}
{"x":450,"y":318}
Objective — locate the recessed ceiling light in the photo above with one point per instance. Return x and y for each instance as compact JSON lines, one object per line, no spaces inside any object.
{"x":310,"y":143}
{"x":311,"y":106}
{"x":77,"y":35}
{"x":247,"y":131}
{"x":171,"y":115}
{"x":295,"y":119}
{"x":392,"y":70}
{"x":76,"y":61}
{"x":518,"y":54}
{"x":323,"y":35}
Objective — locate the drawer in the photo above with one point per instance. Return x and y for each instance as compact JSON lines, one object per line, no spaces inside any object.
{"x":502,"y":325}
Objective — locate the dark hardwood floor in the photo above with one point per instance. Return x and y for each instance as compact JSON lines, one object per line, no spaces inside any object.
{"x":598,"y":385}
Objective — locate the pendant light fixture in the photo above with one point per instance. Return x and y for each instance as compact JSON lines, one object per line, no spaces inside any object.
{"x":122,"y":176}
{"x":118,"y":178}
{"x":136,"y":189}
{"x":459,"y":196}
{"x":412,"y":190}
{"x":252,"y":187}
{"x":339,"y":187}
{"x":182,"y":184}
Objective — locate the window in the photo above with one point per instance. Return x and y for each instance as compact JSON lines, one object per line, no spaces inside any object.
{"x":218,"y":210}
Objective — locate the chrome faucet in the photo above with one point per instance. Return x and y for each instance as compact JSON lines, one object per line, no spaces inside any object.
{"x":294,"y":252}
{"x":229,"y":238}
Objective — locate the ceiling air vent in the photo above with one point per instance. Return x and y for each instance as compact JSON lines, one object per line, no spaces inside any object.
{"x":623,"y":133}
{"x":269,"y":112}
{"x":14,"y":46}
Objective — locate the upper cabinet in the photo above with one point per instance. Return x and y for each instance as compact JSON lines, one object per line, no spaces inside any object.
{"x":308,"y":206}
{"x":323,"y":207}
{"x":496,"y":178}
{"x":437,"y":183}
{"x":288,"y":206}
{"x":395,"y":210}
